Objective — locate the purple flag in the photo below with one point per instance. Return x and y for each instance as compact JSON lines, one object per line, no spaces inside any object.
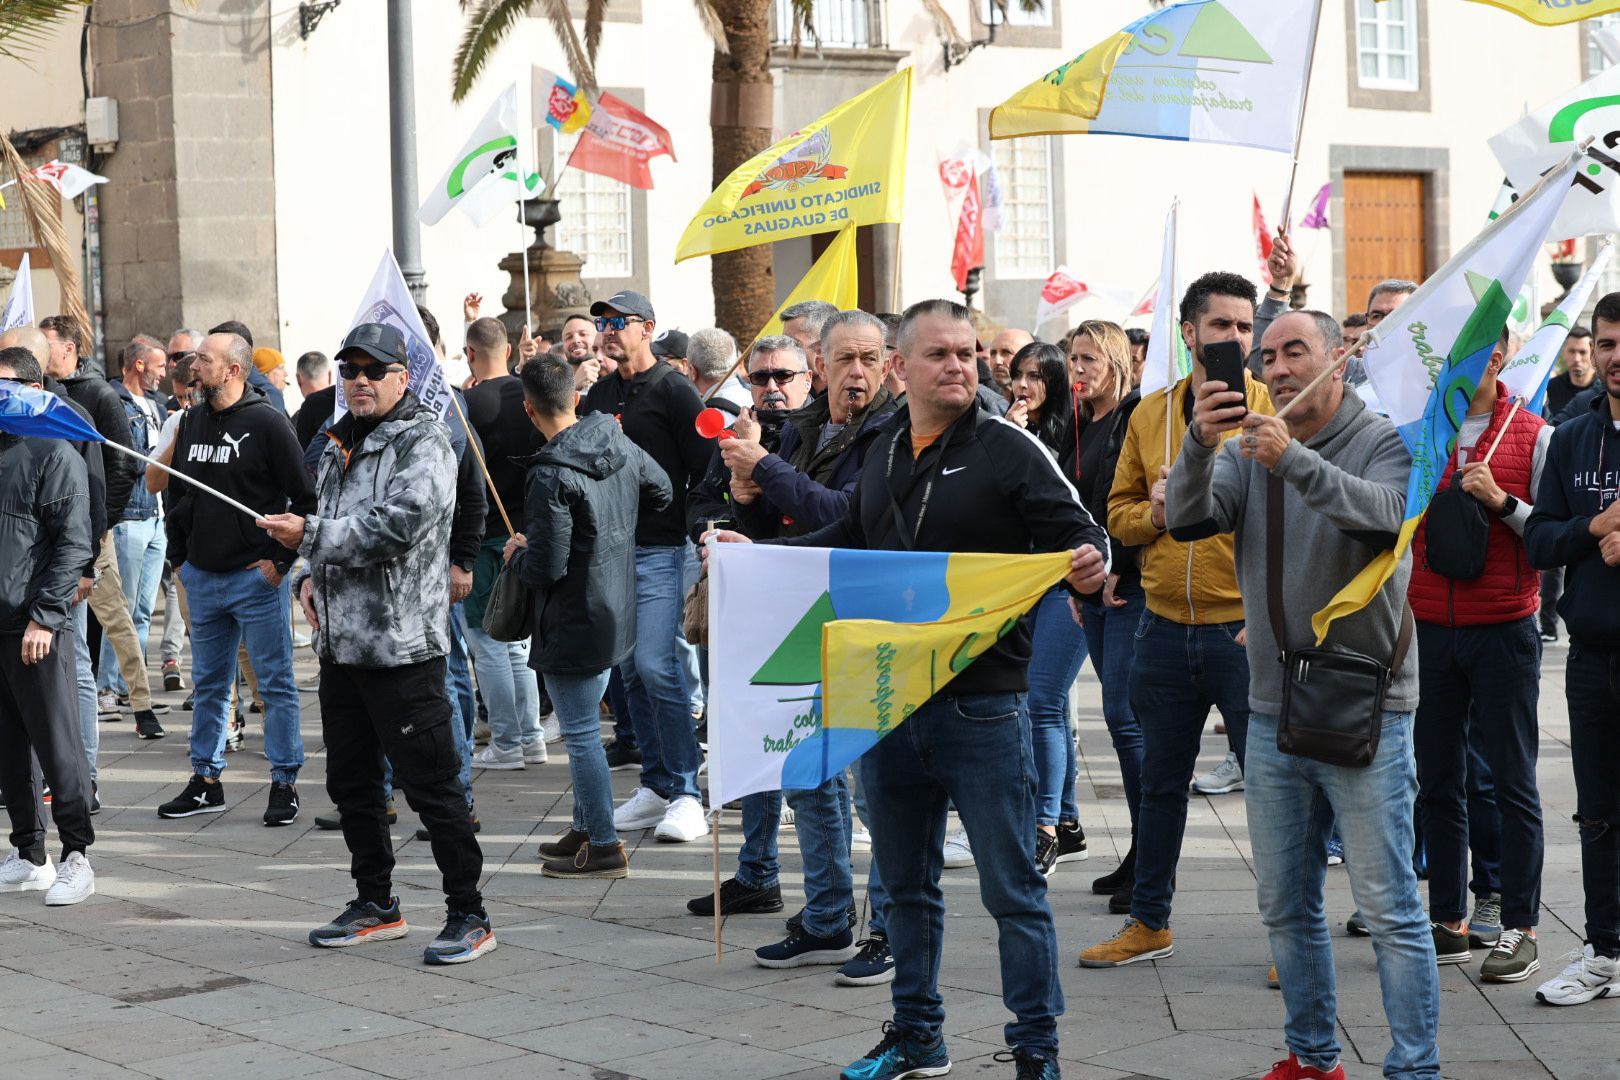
{"x":1316,"y":216}
{"x":27,"y":411}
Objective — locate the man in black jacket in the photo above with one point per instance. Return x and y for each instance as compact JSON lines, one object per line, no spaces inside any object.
{"x":235,"y":575}
{"x":1576,"y":525}
{"x":947,"y":477}
{"x":45,"y":532}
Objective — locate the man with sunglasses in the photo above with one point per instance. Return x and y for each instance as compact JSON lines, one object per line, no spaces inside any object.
{"x":658,"y":411}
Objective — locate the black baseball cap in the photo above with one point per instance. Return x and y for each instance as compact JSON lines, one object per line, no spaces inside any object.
{"x":670,"y":344}
{"x":625,"y":302}
{"x":377,"y":340}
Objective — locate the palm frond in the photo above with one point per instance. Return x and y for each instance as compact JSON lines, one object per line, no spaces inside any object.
{"x":42,"y":206}
{"x":945,"y":25}
{"x":803,"y":18}
{"x":25,"y":25}
{"x":489,"y":22}
{"x":595,"y":13}
{"x":562,"y":25}
{"x":715,"y":26}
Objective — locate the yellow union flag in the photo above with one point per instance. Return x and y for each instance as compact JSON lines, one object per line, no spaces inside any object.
{"x":846,"y":168}
{"x":835,"y":278}
{"x":1065,"y":101}
{"x":1555,"y":12}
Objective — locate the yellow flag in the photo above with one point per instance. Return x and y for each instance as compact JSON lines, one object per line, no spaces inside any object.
{"x":846,"y":168}
{"x":1064,"y":101}
{"x":1555,"y":14}
{"x":834,"y":278}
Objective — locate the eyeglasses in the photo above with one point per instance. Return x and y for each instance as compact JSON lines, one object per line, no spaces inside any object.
{"x":779,"y":376}
{"x":369,"y":372}
{"x":605,"y":323}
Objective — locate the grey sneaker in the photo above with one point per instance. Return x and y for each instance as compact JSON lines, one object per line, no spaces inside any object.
{"x":1450,"y":946}
{"x":1513,"y":960}
{"x":1221,"y":780}
{"x":1485,"y":924}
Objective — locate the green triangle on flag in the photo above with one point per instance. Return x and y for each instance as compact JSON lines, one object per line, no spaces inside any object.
{"x":1216,"y":34}
{"x":1559,"y":317}
{"x":1478,"y":284}
{"x":797,"y":661}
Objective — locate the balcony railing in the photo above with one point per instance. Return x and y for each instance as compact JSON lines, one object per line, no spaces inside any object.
{"x":839,"y":24}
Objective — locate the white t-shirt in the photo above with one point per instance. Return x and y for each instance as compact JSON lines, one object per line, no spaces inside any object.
{"x":1467,"y":440}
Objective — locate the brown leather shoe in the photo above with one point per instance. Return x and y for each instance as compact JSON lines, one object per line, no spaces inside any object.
{"x":565,"y":846}
{"x":1134,"y":942}
{"x":590,"y":861}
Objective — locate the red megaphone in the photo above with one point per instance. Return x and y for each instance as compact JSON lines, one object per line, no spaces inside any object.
{"x":711,"y":424}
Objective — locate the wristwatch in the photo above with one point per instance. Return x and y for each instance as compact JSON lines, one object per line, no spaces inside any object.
{"x":1509,"y":505}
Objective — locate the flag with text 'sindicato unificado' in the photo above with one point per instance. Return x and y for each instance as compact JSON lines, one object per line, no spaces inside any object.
{"x":488,"y":157}
{"x":847,"y":167}
{"x":1223,"y":71}
{"x":835,"y":278}
{"x":1426,"y":359}
{"x":849,"y":645}
{"x":1526,"y":376}
{"x":19,"y":309}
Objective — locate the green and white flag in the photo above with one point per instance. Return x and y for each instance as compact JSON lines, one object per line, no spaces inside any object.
{"x":1168,"y":360}
{"x":1526,"y":377}
{"x":483,"y":176}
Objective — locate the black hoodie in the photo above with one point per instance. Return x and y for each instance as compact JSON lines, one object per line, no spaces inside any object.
{"x":1580,"y":479}
{"x":247,"y":451}
{"x":101,"y":401}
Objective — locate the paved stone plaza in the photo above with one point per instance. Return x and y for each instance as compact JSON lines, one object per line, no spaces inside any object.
{"x":191,"y":960}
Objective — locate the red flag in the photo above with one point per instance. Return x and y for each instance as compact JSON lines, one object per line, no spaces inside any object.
{"x":619,"y":141}
{"x":1145,"y":305}
{"x":1262,"y":240}
{"x":968,"y":251}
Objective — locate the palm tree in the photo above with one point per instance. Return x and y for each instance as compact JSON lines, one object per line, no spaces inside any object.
{"x":25,"y":25}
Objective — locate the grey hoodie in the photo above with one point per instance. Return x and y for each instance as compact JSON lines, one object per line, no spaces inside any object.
{"x":1344,"y":501}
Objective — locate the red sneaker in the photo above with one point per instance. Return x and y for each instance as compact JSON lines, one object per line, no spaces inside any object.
{"x":1293,"y":1070}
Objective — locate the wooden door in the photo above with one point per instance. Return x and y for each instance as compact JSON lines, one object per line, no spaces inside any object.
{"x":1384,"y":229}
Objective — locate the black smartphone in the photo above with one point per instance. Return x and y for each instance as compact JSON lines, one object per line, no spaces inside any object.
{"x":1223,"y":362}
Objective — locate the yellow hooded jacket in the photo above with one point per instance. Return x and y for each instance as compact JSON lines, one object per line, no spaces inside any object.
{"x":1192,"y":584}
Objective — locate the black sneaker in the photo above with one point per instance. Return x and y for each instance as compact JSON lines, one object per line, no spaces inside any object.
{"x":1030,"y":1064}
{"x":1120,"y":902}
{"x":256,"y":708}
{"x":423,"y":834}
{"x":200,"y":797}
{"x":171,"y":677}
{"x":283,"y":808}
{"x":801,"y":947}
{"x":1356,"y":926}
{"x":362,"y":920}
{"x":621,"y":756}
{"x":147,"y":726}
{"x":873,"y":963}
{"x":1123,"y":874}
{"x":190,"y":702}
{"x":1046,"y":849}
{"x":95,"y":800}
{"x":795,"y":922}
{"x":334,"y":821}
{"x":703,"y":731}
{"x":465,"y":937}
{"x":1071,"y":843}
{"x":738,"y":899}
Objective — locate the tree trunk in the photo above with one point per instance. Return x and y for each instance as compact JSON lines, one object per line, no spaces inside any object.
{"x":741,"y":118}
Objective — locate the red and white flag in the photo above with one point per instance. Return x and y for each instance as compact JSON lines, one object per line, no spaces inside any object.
{"x":618,"y":142}
{"x":1262,"y":240}
{"x":1063,"y":290}
{"x":964,"y":204}
{"x":70,"y":180}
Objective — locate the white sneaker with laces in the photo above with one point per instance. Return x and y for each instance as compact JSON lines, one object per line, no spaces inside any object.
{"x":642,"y":810}
{"x":75,"y":881}
{"x":551,"y":729}
{"x":493,"y":757}
{"x":107,"y":703}
{"x":1587,"y":978}
{"x":17,"y":874}
{"x":860,"y":840}
{"x":535,"y":753}
{"x":958,"y":852}
{"x":1224,"y":778}
{"x":683,"y":821}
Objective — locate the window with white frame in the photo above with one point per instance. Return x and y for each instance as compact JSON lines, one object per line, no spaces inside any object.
{"x":1024,"y":241}
{"x":1387,"y":44}
{"x":596,"y":220}
{"x":839,"y":24}
{"x":1012,"y":13}
{"x":1596,"y":59}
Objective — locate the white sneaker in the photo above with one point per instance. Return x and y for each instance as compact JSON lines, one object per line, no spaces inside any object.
{"x":958,"y":852}
{"x":860,"y":840}
{"x":1588,"y":978}
{"x":107,"y":704}
{"x":787,"y":817}
{"x":493,"y":757}
{"x":683,"y":821}
{"x":535,"y":753}
{"x":1225,"y":777}
{"x":74,"y":881}
{"x":17,"y":874}
{"x":642,"y":810}
{"x":551,"y":729}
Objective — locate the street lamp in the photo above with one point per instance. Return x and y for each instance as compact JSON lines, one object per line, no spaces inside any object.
{"x":402,"y":148}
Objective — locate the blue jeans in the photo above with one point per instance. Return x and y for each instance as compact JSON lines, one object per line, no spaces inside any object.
{"x":821,"y":820}
{"x":89,"y":722}
{"x":1177,"y":673}
{"x":655,"y":677}
{"x":1292,"y":803}
{"x":139,"y":547}
{"x":459,"y":688}
{"x":691,"y":654}
{"x":577,"y":699}
{"x":974,"y":751}
{"x":877,"y":896}
{"x":757,"y":866}
{"x":1057,"y":651}
{"x":623,"y":731}
{"x":227,"y":610}
{"x":1111,"y":641}
{"x":511,"y":692}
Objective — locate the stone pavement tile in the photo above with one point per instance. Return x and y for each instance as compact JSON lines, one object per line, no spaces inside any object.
{"x":249,"y":1061}
{"x":507,"y":1014}
{"x":130,"y":1043}
{"x":640,"y":950}
{"x":1579,"y":1041}
{"x":427,"y":989}
{"x":784,"y":1026}
{"x":577,"y":982}
{"x":824,"y":993}
{"x":1578,"y":1068}
{"x":1098,"y":1033}
{"x":335,"y":1025}
{"x":321,"y":969}
{"x":67,"y":1066}
{"x":239,"y":1004}
{"x":1458,"y":1043}
{"x":544,"y":930}
{"x":15,"y":1047}
{"x":737,"y":972}
{"x":1218,"y":1013}
{"x":603,"y":1039}
{"x":68,"y":1010}
{"x":249,"y":949}
{"x":542,"y":1067}
{"x":689,"y":1007}
{"x":843,"y":1049}
{"x":421,"y":1053}
{"x":30,"y":939}
{"x":964,"y":1011}
{"x":1188,"y":1056}
{"x":713,"y":1061}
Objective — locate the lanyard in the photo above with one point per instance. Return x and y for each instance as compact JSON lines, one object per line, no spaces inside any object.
{"x":910,"y":541}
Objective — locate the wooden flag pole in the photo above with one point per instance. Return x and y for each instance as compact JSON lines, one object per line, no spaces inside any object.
{"x":1299,"y":125}
{"x":714,"y":827}
{"x":472,"y":444}
{"x":1326,"y":374}
{"x":1517,"y":404}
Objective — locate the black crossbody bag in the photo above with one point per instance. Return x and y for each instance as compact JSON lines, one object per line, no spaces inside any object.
{"x":1333,"y":700}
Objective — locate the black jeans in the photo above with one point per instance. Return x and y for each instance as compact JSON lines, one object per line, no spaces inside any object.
{"x":1552,"y":587}
{"x":1592,"y":689}
{"x":39,"y":717}
{"x":1490,"y":676}
{"x":401,"y":712}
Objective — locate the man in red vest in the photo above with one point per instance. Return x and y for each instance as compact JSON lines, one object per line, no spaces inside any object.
{"x":1481,"y":653}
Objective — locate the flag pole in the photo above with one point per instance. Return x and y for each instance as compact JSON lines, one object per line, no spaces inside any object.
{"x":1170,"y":350}
{"x":1518,"y":403}
{"x":472,"y":444}
{"x":1327,"y":374}
{"x":714,"y":829}
{"x":254,"y":514}
{"x":1299,"y":124}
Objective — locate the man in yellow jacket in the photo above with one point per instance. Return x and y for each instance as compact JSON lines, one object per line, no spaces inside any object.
{"x":1189,"y":645}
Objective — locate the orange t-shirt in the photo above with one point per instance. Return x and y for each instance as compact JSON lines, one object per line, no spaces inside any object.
{"x":919,"y":443}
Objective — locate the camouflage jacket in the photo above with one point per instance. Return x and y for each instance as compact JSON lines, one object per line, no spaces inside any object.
{"x":378,"y":543}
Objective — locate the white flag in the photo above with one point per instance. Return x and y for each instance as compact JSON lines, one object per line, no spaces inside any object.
{"x":1165,"y":348}
{"x":490,"y":155}
{"x":1526,"y":377}
{"x":389,"y":301}
{"x":1064,"y":289}
{"x":1541,"y":140}
{"x":19,"y":309}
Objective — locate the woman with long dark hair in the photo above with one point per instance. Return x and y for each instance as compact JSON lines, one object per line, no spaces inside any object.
{"x":1100,"y":359}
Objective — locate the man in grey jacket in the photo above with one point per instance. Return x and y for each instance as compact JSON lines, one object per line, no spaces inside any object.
{"x":378,"y":595}
{"x":1344,"y":474}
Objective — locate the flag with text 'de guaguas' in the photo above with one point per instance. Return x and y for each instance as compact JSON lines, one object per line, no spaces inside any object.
{"x":389,"y":301}
{"x":815,"y":654}
{"x":19,"y":309}
{"x":847,"y":167}
{"x":1526,"y":376}
{"x":1168,"y":359}
{"x":835,"y":278}
{"x":1223,"y":71}
{"x":1426,"y":359}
